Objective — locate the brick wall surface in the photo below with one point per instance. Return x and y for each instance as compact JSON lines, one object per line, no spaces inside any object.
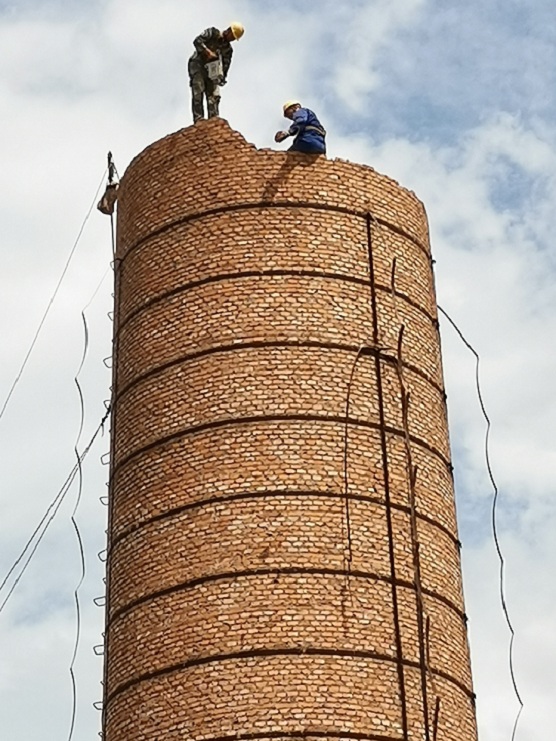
{"x":276,"y":569}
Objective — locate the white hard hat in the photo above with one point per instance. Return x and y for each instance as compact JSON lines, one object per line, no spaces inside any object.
{"x":237,"y":29}
{"x":288,"y":104}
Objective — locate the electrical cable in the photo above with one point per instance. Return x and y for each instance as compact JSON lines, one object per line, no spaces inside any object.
{"x":502,"y":589}
{"x":47,"y":518}
{"x":51,"y":301}
{"x":76,"y":529}
{"x":53,"y":504}
{"x":71,"y":476}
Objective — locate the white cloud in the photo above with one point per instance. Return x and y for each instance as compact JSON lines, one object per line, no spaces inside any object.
{"x":79,"y":79}
{"x":360,"y":37}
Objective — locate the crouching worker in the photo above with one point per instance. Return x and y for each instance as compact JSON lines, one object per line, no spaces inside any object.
{"x":208,"y":67}
{"x":306,"y":128}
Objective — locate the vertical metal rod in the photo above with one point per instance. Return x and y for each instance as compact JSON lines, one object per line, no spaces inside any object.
{"x":435,"y":721}
{"x":384,"y":449}
{"x":412,"y":475}
{"x":115,"y":341}
{"x":347,"y":511}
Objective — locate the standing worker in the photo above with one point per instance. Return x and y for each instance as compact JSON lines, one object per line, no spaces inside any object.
{"x":309,"y":134}
{"x":208,"y":67}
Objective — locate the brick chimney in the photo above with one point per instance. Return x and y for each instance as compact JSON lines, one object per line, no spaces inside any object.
{"x":283,"y":552}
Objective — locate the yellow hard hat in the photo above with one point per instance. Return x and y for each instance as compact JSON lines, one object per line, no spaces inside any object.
{"x":288,"y":104}
{"x":237,"y":30}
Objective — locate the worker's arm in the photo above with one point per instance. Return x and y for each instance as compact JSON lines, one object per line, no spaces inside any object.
{"x":226,"y":61}
{"x":201,"y":41}
{"x":300,"y":119}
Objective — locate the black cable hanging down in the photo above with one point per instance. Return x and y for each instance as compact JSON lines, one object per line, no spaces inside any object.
{"x":77,"y":531}
{"x":111,"y":168}
{"x":51,"y":301}
{"x":411,"y":471}
{"x":55,"y":505}
{"x":502,"y":589}
{"x":388,"y":503}
{"x":39,"y":532}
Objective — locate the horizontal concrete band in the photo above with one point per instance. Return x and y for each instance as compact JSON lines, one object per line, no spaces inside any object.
{"x":270,"y":418}
{"x":287,"y":571}
{"x":266,"y":653}
{"x":224,"y":277}
{"x":273,"y":204}
{"x":253,"y":495}
{"x":279,"y":344}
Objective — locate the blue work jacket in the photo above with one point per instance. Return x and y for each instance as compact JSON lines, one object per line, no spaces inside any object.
{"x":308,"y":131}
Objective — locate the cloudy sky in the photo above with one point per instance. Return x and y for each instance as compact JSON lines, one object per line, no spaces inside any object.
{"x":457,"y":102}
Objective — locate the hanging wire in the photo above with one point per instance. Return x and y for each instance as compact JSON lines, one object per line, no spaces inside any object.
{"x":51,"y":301}
{"x":63,"y":491}
{"x":76,"y":529}
{"x":39,"y":532}
{"x":502,"y":588}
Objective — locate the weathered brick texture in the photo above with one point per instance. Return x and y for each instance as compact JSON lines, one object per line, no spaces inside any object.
{"x":273,"y":573}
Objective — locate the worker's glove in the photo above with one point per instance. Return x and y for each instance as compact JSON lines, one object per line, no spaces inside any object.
{"x":279,"y":136}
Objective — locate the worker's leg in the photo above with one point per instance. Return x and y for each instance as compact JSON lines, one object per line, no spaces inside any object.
{"x":197,"y":82}
{"x":213,"y":99}
{"x":308,"y":147}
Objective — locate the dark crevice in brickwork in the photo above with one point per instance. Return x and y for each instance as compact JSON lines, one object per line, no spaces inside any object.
{"x":263,"y":653}
{"x":270,"y":205}
{"x":234,"y":575}
{"x":270,"y":274}
{"x":239,"y":496}
{"x":265,"y":418}
{"x":400,"y":661}
{"x":305,"y":733}
{"x":436,"y":596}
{"x":278,"y":344}
{"x":286,"y":571}
{"x":250,"y":495}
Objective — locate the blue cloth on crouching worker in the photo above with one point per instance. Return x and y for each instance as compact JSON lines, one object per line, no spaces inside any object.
{"x":308,"y":131}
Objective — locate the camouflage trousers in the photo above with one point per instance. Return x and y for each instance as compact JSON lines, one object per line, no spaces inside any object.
{"x":202,"y":85}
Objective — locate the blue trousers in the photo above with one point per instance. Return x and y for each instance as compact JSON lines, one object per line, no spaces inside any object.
{"x":317,"y":147}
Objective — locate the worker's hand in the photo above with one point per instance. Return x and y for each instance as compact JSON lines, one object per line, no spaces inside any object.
{"x":222,"y":81}
{"x":210,"y":55}
{"x":279,"y":136}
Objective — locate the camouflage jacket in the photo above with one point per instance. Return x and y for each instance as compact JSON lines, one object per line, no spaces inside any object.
{"x":212,"y":39}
